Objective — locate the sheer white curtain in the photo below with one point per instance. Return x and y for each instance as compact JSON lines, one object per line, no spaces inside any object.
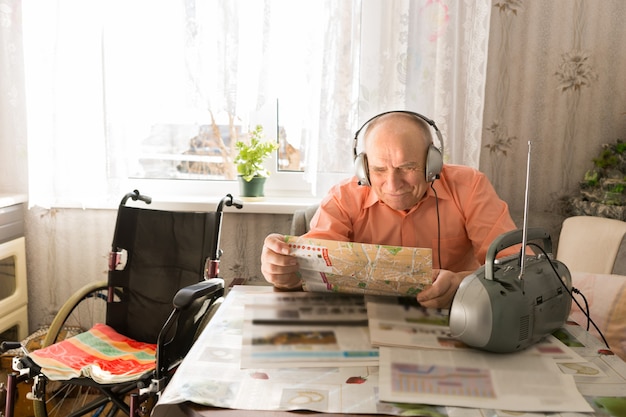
{"x":65,"y":102}
{"x":13,"y":160}
{"x":427,"y":56}
{"x":100,"y":73}
{"x":430,"y":57}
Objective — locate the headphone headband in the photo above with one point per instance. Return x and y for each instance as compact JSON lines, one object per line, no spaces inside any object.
{"x":430,"y":122}
{"x":434,"y":158}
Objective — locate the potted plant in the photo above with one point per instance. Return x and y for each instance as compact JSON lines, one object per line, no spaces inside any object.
{"x":249,"y":161}
{"x":602,"y":192}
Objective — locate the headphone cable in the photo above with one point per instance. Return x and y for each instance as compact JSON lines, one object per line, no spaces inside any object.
{"x":438,"y":225}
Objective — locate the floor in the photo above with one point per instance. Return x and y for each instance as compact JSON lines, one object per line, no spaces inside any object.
{"x":23,"y":406}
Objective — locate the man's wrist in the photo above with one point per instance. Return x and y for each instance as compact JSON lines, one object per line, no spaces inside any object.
{"x":288,"y":289}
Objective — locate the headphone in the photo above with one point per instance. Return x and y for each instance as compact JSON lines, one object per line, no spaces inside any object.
{"x":434,"y":157}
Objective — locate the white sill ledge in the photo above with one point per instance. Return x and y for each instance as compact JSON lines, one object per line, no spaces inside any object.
{"x":266,"y":205}
{"x":7,"y":199}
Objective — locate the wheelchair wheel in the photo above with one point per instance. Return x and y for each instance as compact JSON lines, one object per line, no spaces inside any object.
{"x":80,"y":312}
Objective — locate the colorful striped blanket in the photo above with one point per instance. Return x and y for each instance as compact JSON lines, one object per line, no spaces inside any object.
{"x":100,"y":353}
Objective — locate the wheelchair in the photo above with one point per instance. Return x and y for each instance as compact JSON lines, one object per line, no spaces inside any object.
{"x":114,"y":345}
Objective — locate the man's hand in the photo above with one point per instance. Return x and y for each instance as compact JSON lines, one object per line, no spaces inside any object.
{"x":278,"y":267}
{"x":441,"y":292}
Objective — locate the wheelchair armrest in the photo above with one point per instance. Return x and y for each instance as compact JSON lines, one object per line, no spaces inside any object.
{"x":9,"y":345}
{"x":185,"y":296}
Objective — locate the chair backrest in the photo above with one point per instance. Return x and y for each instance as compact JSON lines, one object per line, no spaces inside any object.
{"x":301,"y":221}
{"x":165,"y":251}
{"x":592,"y":244}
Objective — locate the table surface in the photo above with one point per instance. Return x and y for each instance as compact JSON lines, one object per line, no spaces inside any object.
{"x":228,"y":322}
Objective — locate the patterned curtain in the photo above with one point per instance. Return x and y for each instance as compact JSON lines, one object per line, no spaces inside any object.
{"x":556,"y":79}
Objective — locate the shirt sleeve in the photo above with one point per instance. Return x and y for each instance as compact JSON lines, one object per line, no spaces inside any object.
{"x":333,"y":219}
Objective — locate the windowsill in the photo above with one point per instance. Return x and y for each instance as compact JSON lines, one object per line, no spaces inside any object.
{"x":7,"y":199}
{"x":266,"y":205}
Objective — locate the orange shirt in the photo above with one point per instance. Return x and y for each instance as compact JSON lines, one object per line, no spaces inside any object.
{"x":471,"y":216}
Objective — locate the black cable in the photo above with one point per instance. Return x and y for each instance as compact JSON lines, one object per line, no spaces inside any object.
{"x":584,"y":311}
{"x":438,"y":225}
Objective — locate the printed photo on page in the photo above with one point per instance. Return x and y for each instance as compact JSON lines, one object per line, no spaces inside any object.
{"x":306,"y":330}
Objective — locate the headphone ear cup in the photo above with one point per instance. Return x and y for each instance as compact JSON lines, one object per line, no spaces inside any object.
{"x":434,"y":163}
{"x":361,"y":169}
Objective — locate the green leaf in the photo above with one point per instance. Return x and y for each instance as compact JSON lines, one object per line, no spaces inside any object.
{"x":250,"y":157}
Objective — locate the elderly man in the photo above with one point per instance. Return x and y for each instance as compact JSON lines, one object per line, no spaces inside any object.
{"x":456,"y":212}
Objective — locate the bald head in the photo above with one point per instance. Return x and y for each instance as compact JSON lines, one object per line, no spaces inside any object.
{"x":401,"y":120}
{"x":396,"y":145}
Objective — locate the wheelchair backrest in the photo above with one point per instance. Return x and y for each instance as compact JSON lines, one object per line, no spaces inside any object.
{"x":164,"y":251}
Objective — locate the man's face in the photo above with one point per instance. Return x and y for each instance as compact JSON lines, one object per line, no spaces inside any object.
{"x":396,"y":155}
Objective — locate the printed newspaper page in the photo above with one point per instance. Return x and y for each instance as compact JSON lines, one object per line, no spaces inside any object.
{"x":400,"y":323}
{"x":515,"y":382}
{"x":303,"y":329}
{"x":211,"y":376}
{"x":358,"y":268}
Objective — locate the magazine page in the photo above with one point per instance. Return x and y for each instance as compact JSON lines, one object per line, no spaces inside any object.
{"x":349,"y":267}
{"x":405,"y":324}
{"x":469,"y":378}
{"x":402,"y":323}
{"x":211,"y":374}
{"x":306,"y":330}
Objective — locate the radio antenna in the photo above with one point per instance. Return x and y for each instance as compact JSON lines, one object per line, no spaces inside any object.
{"x":522,"y":256}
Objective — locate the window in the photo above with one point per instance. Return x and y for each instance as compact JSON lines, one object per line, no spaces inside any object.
{"x":165,"y":94}
{"x":150,"y":95}
{"x":197,"y":78}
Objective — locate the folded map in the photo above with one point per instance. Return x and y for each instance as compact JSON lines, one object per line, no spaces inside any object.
{"x":359,"y":268}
